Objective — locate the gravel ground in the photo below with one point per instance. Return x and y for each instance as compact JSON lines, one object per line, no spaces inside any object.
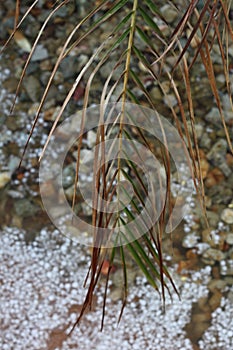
{"x":41,"y":293}
{"x":42,"y":273}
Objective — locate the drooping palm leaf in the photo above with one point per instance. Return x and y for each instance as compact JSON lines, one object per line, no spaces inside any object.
{"x":145,"y":242}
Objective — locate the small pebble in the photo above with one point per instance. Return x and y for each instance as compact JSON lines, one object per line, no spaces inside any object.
{"x":213,"y":254}
{"x":229,"y":238}
{"x":4,"y":178}
{"x":227,"y":215}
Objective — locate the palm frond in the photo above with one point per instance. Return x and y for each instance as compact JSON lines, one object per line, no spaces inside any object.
{"x":137,"y":40}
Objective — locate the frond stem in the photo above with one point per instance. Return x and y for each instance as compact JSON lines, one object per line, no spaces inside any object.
{"x":125,"y":84}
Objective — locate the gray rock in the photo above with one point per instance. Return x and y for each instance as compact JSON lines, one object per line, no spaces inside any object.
{"x":213,"y":116}
{"x":24,"y":208}
{"x":199,"y":130}
{"x":69,"y":192}
{"x":58,"y":78}
{"x":66,"y":10}
{"x":68,"y":176}
{"x":69,"y":66}
{"x":40,"y":53}
{"x":32,"y":87}
{"x":170,"y":100}
{"x":15,"y":194}
{"x":225,"y":169}
{"x":13,"y":163}
{"x":213,"y":218}
{"x":107,"y":69}
{"x":91,"y":139}
{"x":44,"y":78}
{"x":205,"y":141}
{"x":169,"y":13}
{"x":218,"y":152}
{"x":230,"y":295}
{"x":87,"y":156}
{"x":221,"y":80}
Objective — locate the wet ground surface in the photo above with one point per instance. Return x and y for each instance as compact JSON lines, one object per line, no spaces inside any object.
{"x":42,"y":272}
